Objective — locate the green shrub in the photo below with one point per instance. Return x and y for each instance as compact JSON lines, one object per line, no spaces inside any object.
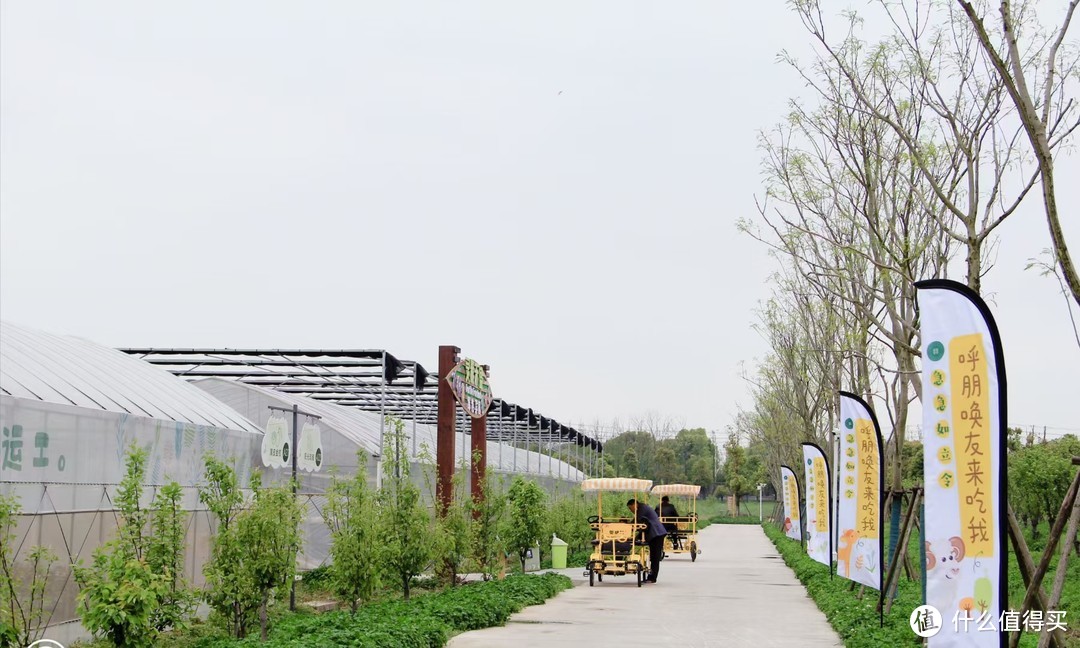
{"x":355,"y":546}
{"x":527,"y":511}
{"x":421,"y":622}
{"x":488,"y":544}
{"x":568,"y":518}
{"x":404,"y":523}
{"x":22,"y":604}
{"x":121,"y":594}
{"x":856,"y":621}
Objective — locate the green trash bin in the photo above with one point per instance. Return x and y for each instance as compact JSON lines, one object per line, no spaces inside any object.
{"x":558,"y":553}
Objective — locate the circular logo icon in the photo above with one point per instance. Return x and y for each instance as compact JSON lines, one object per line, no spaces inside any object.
{"x":936,"y":350}
{"x":850,"y":465}
{"x":46,"y":643}
{"x":925,"y":621}
{"x":318,"y":458}
{"x":850,"y":438}
{"x":285,"y":453}
{"x":937,"y":377}
{"x":946,"y":479}
{"x":942,"y":428}
{"x":848,"y":423}
{"x":940,"y":403}
{"x":944,"y":455}
{"x":809,"y":462}
{"x":849,"y":493}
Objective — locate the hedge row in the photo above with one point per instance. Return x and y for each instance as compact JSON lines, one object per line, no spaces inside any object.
{"x":856,"y":621}
{"x":422,"y":622}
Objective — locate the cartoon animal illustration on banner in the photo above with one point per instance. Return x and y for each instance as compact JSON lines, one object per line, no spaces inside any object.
{"x":943,"y":573}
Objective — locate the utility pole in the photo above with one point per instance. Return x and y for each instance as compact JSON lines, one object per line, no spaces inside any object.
{"x":293,"y":452}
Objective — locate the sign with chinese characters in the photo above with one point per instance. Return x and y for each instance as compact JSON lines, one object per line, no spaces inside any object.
{"x":963,"y":377}
{"x":14,"y":439}
{"x":311,"y":454}
{"x":789,"y":489}
{"x":858,"y":511}
{"x":469,"y":382}
{"x":276,"y":443}
{"x":818,"y":496}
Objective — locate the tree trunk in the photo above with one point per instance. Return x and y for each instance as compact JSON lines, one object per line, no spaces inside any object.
{"x":405,"y":586}
{"x":263,"y":621}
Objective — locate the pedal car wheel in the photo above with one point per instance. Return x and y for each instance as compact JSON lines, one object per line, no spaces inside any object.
{"x":693,"y":551}
{"x":638,"y":572}
{"x":592,"y":577}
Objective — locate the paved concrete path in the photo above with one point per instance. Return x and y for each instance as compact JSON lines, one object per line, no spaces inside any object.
{"x":738,"y":593}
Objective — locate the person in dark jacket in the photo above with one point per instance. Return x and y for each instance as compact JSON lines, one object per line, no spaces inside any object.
{"x":654,"y":535}
{"x":665,"y":509}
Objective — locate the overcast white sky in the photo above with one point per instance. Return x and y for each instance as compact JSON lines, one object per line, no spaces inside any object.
{"x":553,"y":187}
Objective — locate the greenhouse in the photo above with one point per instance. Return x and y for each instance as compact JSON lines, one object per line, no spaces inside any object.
{"x":70,"y":409}
{"x":343,"y":431}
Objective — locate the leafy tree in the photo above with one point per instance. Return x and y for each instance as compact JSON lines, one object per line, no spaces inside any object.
{"x":568,"y":518}
{"x":701,"y":472}
{"x":741,"y":474}
{"x":355,"y":545}
{"x":120,"y":592}
{"x":640,"y":463}
{"x":667,"y":470}
{"x":405,"y":525}
{"x":453,"y":529}
{"x":488,"y":545}
{"x":22,"y":604}
{"x":269,"y":536}
{"x":253,"y":553}
{"x":165,"y":554}
{"x":527,"y":512}
{"x":1012,"y":440}
{"x":630,"y":463}
{"x":230,"y":588}
{"x":1039,"y":477}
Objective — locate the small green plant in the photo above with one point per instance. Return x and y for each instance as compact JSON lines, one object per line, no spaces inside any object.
{"x":855,"y":620}
{"x":22,"y":603}
{"x":120,"y":592}
{"x":527,"y":512}
{"x":453,"y":529}
{"x":422,"y":622}
{"x":488,"y":545}
{"x":355,"y":545}
{"x":405,"y":524}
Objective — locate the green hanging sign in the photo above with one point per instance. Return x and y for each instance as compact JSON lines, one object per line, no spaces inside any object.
{"x":469,"y":382}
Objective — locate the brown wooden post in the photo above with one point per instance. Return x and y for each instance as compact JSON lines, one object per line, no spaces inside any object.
{"x":1048,"y":552}
{"x":445,"y":437}
{"x":1027,"y":569}
{"x":478,"y":461}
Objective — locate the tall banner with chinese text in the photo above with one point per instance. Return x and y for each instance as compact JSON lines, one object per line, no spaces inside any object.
{"x":963,"y":373}
{"x":818,"y":505}
{"x":789,"y":489}
{"x":858,"y":512}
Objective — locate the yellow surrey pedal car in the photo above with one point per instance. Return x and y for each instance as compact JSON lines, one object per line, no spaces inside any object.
{"x":619,"y":547}
{"x":682,"y":529}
